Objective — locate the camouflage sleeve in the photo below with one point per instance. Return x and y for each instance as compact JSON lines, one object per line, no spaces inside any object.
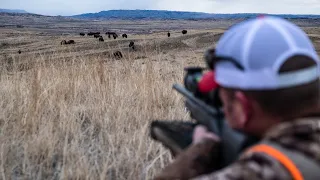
{"x":254,"y":166}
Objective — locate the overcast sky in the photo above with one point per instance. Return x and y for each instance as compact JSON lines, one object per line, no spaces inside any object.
{"x":72,"y":7}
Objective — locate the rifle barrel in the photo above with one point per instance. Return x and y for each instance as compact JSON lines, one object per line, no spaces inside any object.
{"x":190,"y":96}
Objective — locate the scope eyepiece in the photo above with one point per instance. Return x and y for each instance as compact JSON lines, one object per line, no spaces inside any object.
{"x":192,"y":70}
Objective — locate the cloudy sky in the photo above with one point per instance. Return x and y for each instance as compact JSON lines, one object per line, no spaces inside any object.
{"x":72,"y":7}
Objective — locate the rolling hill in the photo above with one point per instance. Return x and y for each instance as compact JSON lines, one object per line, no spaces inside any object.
{"x":13,"y":11}
{"x":162,"y":14}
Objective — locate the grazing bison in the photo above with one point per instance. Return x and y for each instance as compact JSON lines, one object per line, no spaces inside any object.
{"x":67,"y":42}
{"x":93,"y":33}
{"x":114,"y":35}
{"x":184,"y":31}
{"x":19,"y":51}
{"x":63,"y":42}
{"x":82,"y":34}
{"x":96,"y":35}
{"x":70,"y":42}
{"x":101,"y":39}
{"x":124,"y":36}
{"x":118,"y":55}
{"x":111,"y":33}
{"x":131,"y":45}
{"x":168,"y":34}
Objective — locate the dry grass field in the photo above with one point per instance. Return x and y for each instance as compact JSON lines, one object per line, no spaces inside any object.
{"x":76,"y":112}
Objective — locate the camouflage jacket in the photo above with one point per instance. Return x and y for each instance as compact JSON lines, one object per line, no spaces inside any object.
{"x":302,"y":135}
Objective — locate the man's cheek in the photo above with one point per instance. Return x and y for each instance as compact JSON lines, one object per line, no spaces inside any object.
{"x":228,"y":114}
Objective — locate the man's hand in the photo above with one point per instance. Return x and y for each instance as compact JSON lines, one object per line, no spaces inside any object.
{"x":196,"y":160}
{"x":200,"y":133}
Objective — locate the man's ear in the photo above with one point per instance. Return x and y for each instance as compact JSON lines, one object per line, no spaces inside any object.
{"x":246,"y":108}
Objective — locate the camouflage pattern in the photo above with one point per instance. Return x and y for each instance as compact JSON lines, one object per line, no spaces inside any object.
{"x":302,"y":135}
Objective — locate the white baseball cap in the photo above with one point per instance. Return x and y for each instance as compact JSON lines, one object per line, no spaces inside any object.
{"x":255,"y":50}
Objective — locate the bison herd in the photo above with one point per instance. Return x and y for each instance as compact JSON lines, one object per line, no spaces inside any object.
{"x":117,"y":54}
{"x":115,"y":35}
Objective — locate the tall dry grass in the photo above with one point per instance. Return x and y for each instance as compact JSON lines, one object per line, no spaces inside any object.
{"x":86,"y":120}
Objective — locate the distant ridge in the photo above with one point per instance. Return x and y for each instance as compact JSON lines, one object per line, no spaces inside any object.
{"x":162,"y":14}
{"x":159,"y":14}
{"x":13,"y":11}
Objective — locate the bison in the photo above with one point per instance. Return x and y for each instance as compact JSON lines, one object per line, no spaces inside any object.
{"x":131,"y":45}
{"x":184,"y":31}
{"x":168,"y":34}
{"x":118,"y":55}
{"x":101,"y":39}
{"x":96,"y":36}
{"x":93,"y":33}
{"x":67,"y":42}
{"x":114,"y":35}
{"x":82,"y":34}
{"x":124,"y":36}
{"x":19,"y":51}
{"x":70,"y":42}
{"x":111,"y":33}
{"x":63,"y":42}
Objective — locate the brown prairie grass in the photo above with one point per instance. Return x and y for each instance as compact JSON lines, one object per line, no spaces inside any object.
{"x":86,"y":121}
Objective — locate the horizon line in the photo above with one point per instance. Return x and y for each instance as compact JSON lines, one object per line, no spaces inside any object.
{"x":168,"y":11}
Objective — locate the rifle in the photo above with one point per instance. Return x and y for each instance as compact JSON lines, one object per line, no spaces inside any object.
{"x":206,"y":110}
{"x":177,"y":135}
